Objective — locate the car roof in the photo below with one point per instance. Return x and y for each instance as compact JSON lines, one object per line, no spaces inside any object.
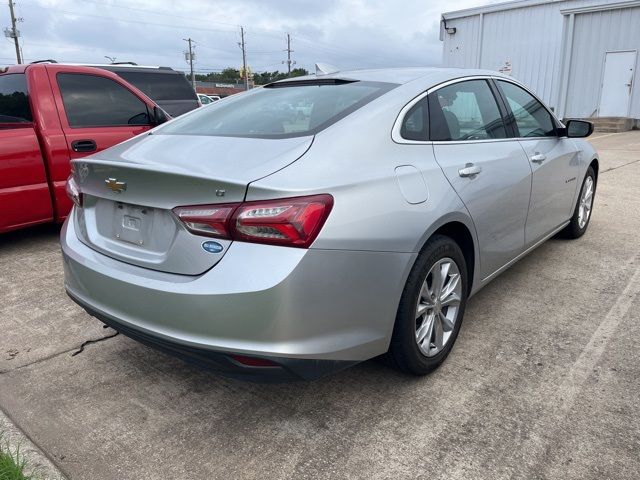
{"x":400,"y":75}
{"x":135,"y":68}
{"x":112,"y":68}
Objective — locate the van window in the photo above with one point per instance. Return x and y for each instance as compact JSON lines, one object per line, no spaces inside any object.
{"x":14,"y":99}
{"x":160,"y":86}
{"x":94,"y":101}
{"x":294,"y":109}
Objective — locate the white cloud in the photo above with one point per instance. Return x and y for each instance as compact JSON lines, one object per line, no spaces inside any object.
{"x":346,"y":33}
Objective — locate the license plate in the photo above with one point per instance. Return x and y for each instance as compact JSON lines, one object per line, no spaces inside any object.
{"x":132,"y":223}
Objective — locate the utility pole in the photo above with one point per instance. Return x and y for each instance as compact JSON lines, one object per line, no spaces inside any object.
{"x":189,"y":57}
{"x":289,"y":51}
{"x":13,"y":32}
{"x":244,"y":59}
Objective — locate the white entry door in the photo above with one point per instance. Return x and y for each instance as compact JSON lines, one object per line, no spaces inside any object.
{"x":616,"y":83}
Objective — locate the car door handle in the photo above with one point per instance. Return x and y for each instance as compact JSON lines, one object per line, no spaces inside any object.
{"x":469,"y":170}
{"x":538,"y":158}
{"x":84,"y":146}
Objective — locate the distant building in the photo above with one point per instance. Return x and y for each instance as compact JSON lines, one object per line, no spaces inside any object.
{"x":220,"y":89}
{"x":579,"y":56}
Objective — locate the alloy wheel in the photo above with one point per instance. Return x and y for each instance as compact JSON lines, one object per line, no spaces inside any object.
{"x":586,"y":202}
{"x":437,"y":306}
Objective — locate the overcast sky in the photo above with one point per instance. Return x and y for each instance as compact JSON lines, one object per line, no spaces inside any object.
{"x":345,"y":33}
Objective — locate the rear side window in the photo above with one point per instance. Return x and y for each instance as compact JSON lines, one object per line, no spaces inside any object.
{"x":415,"y":124}
{"x":161,"y":86}
{"x":532,"y":119}
{"x":295,"y":109}
{"x":14,"y":99}
{"x":94,"y":101}
{"x":465,"y":111}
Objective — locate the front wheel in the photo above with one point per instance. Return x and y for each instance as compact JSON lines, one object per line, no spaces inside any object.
{"x":582,"y":212}
{"x":431,"y":308}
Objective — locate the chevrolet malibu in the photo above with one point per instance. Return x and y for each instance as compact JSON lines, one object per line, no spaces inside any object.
{"x":267,"y":246}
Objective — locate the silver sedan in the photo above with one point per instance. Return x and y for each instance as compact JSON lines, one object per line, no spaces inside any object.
{"x":267,"y":245}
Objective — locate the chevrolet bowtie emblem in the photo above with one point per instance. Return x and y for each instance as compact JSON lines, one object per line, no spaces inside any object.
{"x":115,"y":186}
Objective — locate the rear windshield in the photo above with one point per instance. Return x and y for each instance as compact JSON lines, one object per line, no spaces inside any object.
{"x":161,"y":86}
{"x":14,"y":99}
{"x":279,"y":111}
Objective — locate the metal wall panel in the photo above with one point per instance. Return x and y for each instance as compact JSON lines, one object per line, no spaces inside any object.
{"x":461,"y":49}
{"x":595,"y":34}
{"x":531,"y":38}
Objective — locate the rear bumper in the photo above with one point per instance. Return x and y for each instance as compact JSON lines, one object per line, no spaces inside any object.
{"x":286,"y":369}
{"x":310,"y":311}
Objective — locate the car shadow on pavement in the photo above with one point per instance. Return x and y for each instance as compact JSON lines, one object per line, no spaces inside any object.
{"x":35,"y":234}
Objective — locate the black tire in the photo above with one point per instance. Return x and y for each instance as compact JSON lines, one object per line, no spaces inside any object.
{"x":404,"y":352}
{"x":573,"y":230}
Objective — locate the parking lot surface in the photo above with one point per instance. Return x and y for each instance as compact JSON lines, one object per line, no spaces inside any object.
{"x":543,"y":382}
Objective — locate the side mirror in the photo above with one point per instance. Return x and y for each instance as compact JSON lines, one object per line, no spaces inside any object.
{"x":159,"y":116}
{"x":579,"y":128}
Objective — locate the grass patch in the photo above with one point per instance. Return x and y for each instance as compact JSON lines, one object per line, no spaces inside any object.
{"x":12,"y":465}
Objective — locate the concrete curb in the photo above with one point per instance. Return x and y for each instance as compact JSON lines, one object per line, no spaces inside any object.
{"x":38,"y":464}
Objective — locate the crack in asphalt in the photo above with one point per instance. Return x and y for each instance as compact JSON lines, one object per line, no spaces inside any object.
{"x":620,"y":166}
{"x":76,"y":350}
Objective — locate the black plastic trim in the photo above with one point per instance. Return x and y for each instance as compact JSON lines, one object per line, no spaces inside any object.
{"x":312,"y":82}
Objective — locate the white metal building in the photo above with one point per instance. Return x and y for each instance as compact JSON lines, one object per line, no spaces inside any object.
{"x":579,"y":56}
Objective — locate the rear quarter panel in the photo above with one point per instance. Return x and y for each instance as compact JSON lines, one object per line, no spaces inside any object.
{"x":355,"y":160}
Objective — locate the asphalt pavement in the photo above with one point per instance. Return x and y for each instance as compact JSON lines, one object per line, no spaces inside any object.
{"x":543,"y":382}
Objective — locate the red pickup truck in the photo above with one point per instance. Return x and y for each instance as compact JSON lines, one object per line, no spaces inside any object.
{"x":49,"y":115}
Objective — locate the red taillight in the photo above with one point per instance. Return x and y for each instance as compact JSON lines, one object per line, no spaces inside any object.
{"x":293,"y":222}
{"x":73,"y":192}
{"x":209,"y":220}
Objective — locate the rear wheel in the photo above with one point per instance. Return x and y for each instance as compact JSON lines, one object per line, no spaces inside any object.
{"x":431,"y":308}
{"x":582,"y":213}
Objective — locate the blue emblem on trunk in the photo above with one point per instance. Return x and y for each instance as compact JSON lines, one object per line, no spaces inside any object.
{"x":212,"y":247}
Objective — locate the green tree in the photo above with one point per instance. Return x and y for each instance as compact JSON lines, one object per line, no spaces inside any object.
{"x":267,"y":77}
{"x":232,"y":75}
{"x":228,"y":75}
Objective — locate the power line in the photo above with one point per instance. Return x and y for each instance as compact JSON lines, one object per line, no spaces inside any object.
{"x":314,"y":44}
{"x":102,"y":17}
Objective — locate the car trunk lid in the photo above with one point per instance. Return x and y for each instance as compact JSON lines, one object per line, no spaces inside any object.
{"x":129,"y":192}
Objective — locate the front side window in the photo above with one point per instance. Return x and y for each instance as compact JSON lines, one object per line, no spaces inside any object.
{"x":14,"y":99}
{"x":94,"y":101}
{"x":465,"y":111}
{"x":292,"y":109}
{"x":531,"y":118}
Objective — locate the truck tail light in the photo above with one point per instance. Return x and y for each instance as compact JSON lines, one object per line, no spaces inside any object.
{"x":73,"y":192}
{"x":292,"y":222}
